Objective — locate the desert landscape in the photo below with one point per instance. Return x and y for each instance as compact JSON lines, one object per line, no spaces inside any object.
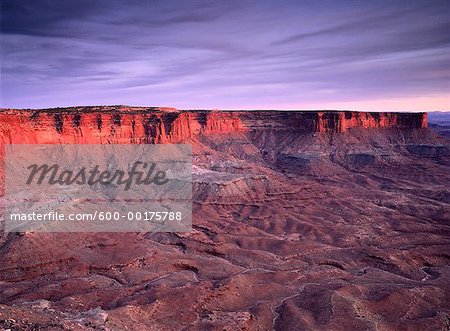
{"x":228,"y":165}
{"x":302,"y":220}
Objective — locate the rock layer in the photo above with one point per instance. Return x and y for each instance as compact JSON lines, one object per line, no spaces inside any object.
{"x":156,"y":125}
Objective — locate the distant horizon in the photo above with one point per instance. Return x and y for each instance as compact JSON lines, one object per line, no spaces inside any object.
{"x":230,"y":109}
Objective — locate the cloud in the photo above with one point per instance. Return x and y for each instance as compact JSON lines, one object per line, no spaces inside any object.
{"x":386,"y":18}
{"x":221,"y":53}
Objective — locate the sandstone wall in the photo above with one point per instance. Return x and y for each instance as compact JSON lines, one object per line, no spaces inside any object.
{"x":125,"y":125}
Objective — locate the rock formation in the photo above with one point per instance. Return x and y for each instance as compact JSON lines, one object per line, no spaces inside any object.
{"x":154,"y":125}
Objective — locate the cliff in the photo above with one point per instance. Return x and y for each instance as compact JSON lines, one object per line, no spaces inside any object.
{"x":167,"y":125}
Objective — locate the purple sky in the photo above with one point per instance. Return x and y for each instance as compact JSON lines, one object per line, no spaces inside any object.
{"x":363,"y":55}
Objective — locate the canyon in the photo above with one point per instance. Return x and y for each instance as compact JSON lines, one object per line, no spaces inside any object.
{"x":313,"y":220}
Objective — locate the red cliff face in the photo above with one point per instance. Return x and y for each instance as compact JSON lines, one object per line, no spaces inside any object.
{"x":221,"y":122}
{"x":342,"y":121}
{"x":142,"y":125}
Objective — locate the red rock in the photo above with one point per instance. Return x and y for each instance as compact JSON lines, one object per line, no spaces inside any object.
{"x":140,"y":125}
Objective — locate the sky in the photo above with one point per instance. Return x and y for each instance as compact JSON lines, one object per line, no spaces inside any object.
{"x":337,"y":54}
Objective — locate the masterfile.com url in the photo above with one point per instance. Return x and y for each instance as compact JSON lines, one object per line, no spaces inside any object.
{"x":151,"y":216}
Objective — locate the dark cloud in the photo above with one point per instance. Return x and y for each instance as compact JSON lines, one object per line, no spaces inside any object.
{"x":43,"y":17}
{"x":382,"y":20}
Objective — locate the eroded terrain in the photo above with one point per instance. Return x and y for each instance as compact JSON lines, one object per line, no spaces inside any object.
{"x":321,"y":228}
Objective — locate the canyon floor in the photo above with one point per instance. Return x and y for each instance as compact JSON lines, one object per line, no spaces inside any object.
{"x":323,"y":231}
